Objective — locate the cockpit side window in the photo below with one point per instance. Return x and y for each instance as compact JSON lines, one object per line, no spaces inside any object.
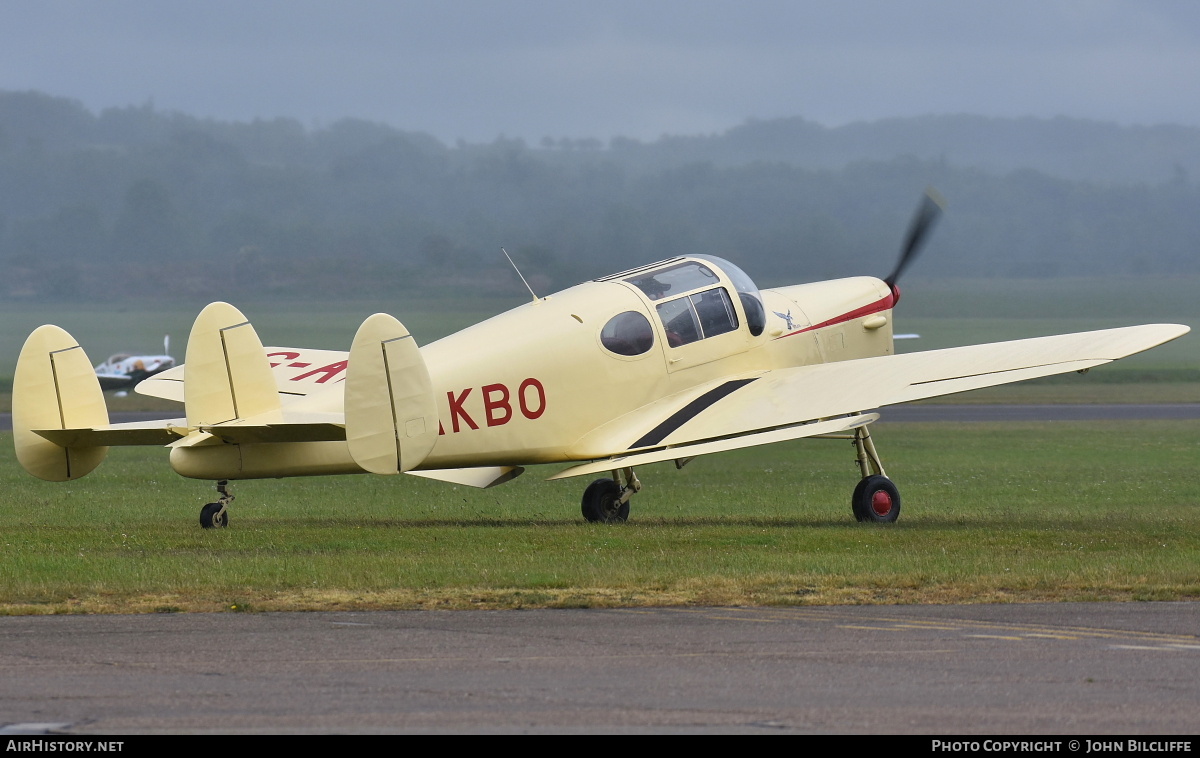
{"x":756,"y":314}
{"x":699,"y":316}
{"x":627,"y":333}
{"x":679,"y":320}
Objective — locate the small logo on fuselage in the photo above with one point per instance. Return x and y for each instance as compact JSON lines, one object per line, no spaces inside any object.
{"x":786,"y":317}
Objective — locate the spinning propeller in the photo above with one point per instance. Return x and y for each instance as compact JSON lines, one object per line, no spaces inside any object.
{"x":927,"y":214}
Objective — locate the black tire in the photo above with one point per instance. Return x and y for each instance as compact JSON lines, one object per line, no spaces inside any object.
{"x":209,"y":518}
{"x":876,"y":500}
{"x":601,"y":502}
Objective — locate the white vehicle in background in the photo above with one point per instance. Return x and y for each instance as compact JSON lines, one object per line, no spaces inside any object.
{"x":123,"y":371}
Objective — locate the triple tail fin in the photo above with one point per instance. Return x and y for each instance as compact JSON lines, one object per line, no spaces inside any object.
{"x":391,"y":415}
{"x":55,"y":387}
{"x":228,"y":374}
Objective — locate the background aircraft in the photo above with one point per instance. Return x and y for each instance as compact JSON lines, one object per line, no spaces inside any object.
{"x":669,"y":361}
{"x":123,"y":371}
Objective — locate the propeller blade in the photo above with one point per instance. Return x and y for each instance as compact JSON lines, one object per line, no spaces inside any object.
{"x":928,"y":212}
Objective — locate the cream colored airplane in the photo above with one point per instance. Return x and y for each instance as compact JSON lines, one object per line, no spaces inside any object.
{"x":666,"y":362}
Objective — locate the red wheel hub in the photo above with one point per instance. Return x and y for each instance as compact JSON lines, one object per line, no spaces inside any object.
{"x":881,"y":503}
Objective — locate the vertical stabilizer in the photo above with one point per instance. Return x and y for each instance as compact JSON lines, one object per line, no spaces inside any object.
{"x":227,"y":374}
{"x":55,"y":387}
{"x":391,"y":416}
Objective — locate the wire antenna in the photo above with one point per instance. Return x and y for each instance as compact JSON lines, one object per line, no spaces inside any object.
{"x":514,"y":265}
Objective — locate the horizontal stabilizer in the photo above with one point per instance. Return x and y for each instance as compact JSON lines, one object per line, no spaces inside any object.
{"x":391,"y":416}
{"x":161,"y":432}
{"x":295,"y":427}
{"x":55,"y":388}
{"x":719,"y":446}
{"x":176,"y":433}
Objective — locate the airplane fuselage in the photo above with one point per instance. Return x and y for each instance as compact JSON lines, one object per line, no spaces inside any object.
{"x":549,"y":381}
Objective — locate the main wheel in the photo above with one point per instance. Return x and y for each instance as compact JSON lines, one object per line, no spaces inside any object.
{"x":876,"y":499}
{"x":602,"y":502}
{"x":209,"y":518}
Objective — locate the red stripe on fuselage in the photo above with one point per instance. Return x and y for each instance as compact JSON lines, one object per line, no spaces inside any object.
{"x":882,"y":304}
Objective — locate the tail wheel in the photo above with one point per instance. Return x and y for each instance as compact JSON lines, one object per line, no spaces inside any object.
{"x":876,"y":499}
{"x":602,"y":502}
{"x":214,"y":516}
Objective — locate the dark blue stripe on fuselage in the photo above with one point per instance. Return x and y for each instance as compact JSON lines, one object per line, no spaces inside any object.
{"x":688,"y":412}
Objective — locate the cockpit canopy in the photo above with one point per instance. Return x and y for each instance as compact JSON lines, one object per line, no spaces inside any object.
{"x":674,"y":279}
{"x":692,"y":299}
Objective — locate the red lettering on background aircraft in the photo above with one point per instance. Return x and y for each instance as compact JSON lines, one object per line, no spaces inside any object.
{"x":502,"y":405}
{"x":456,"y":409}
{"x":330,"y":371}
{"x":541,"y":396}
{"x":287,"y":356}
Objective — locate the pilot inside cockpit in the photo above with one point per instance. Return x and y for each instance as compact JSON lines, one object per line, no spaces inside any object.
{"x":653,"y":288}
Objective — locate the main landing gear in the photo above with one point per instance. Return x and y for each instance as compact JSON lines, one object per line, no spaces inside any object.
{"x":876,"y":498}
{"x":216,"y":515}
{"x":607,"y":501}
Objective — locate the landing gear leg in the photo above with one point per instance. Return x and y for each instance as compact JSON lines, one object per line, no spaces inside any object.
{"x":876,"y":498}
{"x":216,"y":515}
{"x":607,"y":501}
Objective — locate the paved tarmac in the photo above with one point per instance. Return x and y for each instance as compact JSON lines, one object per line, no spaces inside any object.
{"x":1061,"y":412}
{"x":1063,"y":669}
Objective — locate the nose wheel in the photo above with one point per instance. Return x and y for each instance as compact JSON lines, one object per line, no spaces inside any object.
{"x":216,"y":515}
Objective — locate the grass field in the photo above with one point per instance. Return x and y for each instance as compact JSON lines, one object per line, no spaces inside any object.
{"x":991,"y":513}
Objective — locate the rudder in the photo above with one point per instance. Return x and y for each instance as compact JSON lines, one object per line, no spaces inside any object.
{"x":391,"y":416}
{"x":227,"y":375}
{"x":55,"y":387}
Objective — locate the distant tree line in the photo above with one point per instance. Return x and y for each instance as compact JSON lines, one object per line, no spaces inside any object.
{"x":135,"y":200}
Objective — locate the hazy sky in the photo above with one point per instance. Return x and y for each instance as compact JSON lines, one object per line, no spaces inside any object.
{"x":477,"y":69}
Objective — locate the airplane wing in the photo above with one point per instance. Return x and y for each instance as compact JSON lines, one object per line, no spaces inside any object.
{"x":767,"y":406}
{"x":298,"y":372}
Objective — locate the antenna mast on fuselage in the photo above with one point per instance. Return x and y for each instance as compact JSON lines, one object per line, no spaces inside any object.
{"x":514,"y":265}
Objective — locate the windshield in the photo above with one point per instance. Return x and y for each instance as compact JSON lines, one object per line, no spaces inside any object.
{"x":676,"y":277}
{"x":752,"y":304}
